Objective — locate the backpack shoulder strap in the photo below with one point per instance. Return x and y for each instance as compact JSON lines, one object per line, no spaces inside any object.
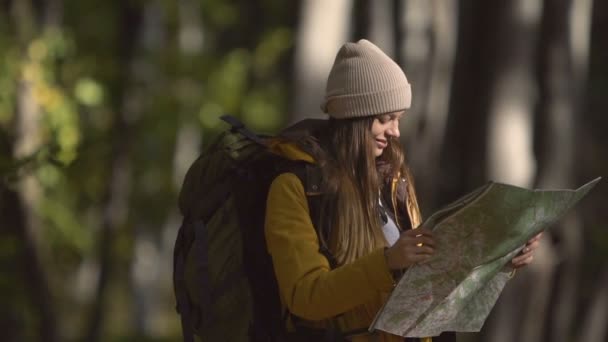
{"x":311,"y":177}
{"x":183,"y":307}
{"x":238,"y":126}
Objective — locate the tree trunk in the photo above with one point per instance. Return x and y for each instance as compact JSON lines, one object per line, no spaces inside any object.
{"x":430,"y":47}
{"x":560,"y":89}
{"x":314,"y":56}
{"x":493,"y":58}
{"x":19,"y":206}
{"x":362,"y":18}
{"x":594,"y":327}
{"x":380,"y":29}
{"x":34,"y":277}
{"x":116,"y":198}
{"x":590,"y":161}
{"x":462,"y":159}
{"x":522,"y":308}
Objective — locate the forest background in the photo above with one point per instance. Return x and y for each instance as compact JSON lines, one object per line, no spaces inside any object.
{"x":104,"y":105}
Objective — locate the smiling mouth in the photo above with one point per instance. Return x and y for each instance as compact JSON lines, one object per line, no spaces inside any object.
{"x":381,"y":143}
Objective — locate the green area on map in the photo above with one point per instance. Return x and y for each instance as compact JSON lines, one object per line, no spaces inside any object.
{"x":476,"y":238}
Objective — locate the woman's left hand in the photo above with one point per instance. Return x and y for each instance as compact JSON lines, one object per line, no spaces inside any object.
{"x":527,"y":253}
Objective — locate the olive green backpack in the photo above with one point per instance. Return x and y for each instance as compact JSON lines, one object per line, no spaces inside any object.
{"x":223,"y":277}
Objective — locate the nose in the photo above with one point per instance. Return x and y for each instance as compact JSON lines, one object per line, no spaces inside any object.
{"x":393,"y":130}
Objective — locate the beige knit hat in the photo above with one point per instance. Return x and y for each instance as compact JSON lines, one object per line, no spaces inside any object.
{"x":365,"y":81}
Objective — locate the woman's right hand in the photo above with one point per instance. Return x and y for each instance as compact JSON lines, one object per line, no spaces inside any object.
{"x":413,"y":246}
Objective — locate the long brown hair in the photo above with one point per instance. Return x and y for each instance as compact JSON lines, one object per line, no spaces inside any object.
{"x":353,"y":178}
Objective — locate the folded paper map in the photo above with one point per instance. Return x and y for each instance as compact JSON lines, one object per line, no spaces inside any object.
{"x":476,"y":237}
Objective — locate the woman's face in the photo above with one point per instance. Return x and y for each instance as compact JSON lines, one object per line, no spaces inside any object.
{"x":384,"y":127}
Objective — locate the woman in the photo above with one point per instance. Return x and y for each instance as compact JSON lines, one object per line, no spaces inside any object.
{"x":368,"y":206}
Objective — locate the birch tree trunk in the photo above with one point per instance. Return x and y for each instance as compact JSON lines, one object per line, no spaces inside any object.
{"x":323,"y":27}
{"x":381,"y":25}
{"x":23,"y":220}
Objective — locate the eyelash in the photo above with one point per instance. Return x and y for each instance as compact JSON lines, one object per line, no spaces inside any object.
{"x":384,"y":120}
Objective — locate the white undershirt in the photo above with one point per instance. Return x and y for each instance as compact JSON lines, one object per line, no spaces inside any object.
{"x":390,"y":230}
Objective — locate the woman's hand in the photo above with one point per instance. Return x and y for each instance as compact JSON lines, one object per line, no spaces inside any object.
{"x":527,"y":253}
{"x":413,"y":246}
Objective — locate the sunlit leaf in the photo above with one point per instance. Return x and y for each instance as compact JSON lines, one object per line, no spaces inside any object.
{"x":88,"y":92}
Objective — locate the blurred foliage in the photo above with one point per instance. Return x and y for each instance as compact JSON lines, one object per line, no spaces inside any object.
{"x":103,"y":85}
{"x":83,"y":83}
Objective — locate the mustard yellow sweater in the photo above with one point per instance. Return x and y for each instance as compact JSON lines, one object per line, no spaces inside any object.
{"x":307,"y":285}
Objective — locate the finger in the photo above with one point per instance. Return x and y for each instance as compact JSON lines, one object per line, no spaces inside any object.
{"x":527,"y":249}
{"x":416,"y":239}
{"x":416,"y":250}
{"x":522,"y":258}
{"x":523,"y":262}
{"x":524,"y":253}
{"x":532,"y":246}
{"x":418,"y":232}
{"x":536,"y":237}
{"x":517,"y":260}
{"x":423,"y":231}
{"x":424,"y":250}
{"x":409,"y":232}
{"x":420,"y":240}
